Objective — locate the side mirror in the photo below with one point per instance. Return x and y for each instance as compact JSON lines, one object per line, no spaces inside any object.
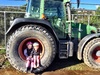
{"x":78,"y":3}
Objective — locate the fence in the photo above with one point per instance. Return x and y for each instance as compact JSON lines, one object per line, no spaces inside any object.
{"x":6,"y":17}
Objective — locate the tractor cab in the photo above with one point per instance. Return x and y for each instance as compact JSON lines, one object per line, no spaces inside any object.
{"x":52,"y":10}
{"x":33,"y":9}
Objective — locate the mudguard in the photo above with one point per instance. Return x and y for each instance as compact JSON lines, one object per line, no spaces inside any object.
{"x":24,"y":21}
{"x":83,"y":42}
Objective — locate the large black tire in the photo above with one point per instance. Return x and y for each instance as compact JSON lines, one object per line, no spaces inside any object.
{"x":90,"y":53}
{"x":38,"y":33}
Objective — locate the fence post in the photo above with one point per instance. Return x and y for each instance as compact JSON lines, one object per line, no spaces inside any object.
{"x":5,"y":27}
{"x":88,"y":19}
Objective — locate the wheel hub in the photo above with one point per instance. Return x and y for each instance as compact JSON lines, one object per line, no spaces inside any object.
{"x":96,"y":54}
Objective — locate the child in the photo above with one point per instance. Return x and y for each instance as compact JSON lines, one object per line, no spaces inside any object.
{"x":27,"y":52}
{"x":36,"y":55}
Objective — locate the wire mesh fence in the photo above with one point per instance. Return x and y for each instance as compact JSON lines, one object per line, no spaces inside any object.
{"x":6,"y":17}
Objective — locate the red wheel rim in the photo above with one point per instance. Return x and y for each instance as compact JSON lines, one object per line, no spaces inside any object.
{"x":22,"y":46}
{"x":95,"y":56}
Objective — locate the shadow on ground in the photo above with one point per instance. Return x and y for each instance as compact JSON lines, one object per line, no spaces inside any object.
{"x":62,"y":63}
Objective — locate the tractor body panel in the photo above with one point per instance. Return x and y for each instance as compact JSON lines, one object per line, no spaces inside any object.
{"x":80,"y":30}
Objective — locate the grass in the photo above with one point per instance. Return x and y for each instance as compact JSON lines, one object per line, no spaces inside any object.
{"x":2,"y":52}
{"x":7,"y":64}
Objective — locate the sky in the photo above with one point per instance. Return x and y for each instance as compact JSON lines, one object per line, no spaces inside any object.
{"x":12,"y":2}
{"x":21,"y":2}
{"x":91,"y":7}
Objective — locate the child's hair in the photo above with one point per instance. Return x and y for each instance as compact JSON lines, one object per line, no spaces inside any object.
{"x":35,"y":44}
{"x":29,"y":43}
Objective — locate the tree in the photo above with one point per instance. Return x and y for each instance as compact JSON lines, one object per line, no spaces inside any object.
{"x":95,"y":19}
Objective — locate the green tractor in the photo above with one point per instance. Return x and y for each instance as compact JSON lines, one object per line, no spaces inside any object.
{"x":47,"y":23}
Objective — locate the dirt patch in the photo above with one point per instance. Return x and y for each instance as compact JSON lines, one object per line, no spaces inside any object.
{"x":70,"y":72}
{"x":70,"y":66}
{"x":12,"y":71}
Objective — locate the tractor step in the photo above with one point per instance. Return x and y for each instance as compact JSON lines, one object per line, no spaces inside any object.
{"x":65,"y":49}
{"x":63,"y":41}
{"x":63,"y":52}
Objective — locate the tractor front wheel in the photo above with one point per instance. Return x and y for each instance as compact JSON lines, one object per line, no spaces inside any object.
{"x":91,"y":53}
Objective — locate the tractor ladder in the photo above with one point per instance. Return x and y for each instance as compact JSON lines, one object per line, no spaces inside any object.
{"x":65,"y":49}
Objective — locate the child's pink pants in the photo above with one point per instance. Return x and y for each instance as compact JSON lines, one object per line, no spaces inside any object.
{"x":36,"y":61}
{"x":30,"y":62}
{"x":33,"y":62}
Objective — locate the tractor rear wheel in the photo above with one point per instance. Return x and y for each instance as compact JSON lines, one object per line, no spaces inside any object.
{"x":34,"y":33}
{"x":91,"y":53}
